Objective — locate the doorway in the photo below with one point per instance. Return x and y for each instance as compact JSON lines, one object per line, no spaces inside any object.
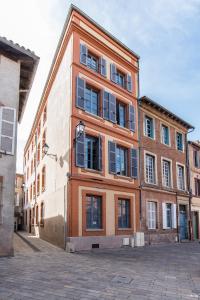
{"x":195,"y":225}
{"x":183,"y":222}
{"x":29,"y":228}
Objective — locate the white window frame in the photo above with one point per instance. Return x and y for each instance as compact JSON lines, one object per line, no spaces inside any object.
{"x":183,"y":141}
{"x":184,"y":174}
{"x":171,"y":172}
{"x":156,"y":173}
{"x":144,"y":126}
{"x":173,"y":215}
{"x":149,"y":212}
{"x":14,"y":128}
{"x":161,"y":135}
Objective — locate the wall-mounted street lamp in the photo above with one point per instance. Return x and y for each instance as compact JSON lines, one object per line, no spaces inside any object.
{"x":45,"y":150}
{"x":80,"y":129}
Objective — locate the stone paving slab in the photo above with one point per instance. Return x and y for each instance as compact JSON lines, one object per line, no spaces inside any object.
{"x":156,"y":272}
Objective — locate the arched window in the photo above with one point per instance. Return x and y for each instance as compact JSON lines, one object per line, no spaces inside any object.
{"x":38,"y":184}
{"x":43,"y":179}
{"x":42,"y":214}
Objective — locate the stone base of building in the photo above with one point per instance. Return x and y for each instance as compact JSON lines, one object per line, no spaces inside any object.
{"x":91,"y":242}
{"x":159,"y":238}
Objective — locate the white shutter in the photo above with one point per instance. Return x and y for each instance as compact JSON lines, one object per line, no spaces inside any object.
{"x":164,"y":215}
{"x":174,"y":223}
{"x":7,"y":130}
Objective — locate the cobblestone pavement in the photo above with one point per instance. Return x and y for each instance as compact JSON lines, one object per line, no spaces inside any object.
{"x":46,"y":272}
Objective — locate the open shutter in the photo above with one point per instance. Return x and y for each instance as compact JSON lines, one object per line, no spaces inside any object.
{"x":164,"y":216}
{"x":7,"y":129}
{"x":103,"y":66}
{"x":134,"y":163}
{"x":105,"y":105}
{"x":80,"y":151}
{"x":83,"y":54}
{"x":129,"y":85}
{"x":112,"y":108}
{"x":112,"y":157}
{"x":131,"y":117}
{"x":113,"y":72}
{"x":174,"y":223}
{"x":100,"y":153}
{"x":80,"y":92}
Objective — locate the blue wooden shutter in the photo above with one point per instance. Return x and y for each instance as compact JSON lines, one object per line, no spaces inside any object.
{"x":112,"y":157}
{"x":80,"y":151}
{"x":83,"y":54}
{"x":100,"y":153}
{"x":80,"y":91}
{"x":112,"y":108}
{"x":129,"y":85}
{"x":131,"y":117}
{"x":105,"y":105}
{"x":134,"y":163}
{"x":103,"y":66}
{"x":113,"y":72}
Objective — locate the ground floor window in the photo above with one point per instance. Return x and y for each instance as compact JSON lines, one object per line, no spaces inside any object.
{"x":152,"y":214}
{"x":123,"y":213}
{"x":93,"y":212}
{"x":169,"y":216}
{"x":42,"y":214}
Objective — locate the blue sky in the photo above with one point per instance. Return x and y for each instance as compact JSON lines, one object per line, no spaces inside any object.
{"x":165,"y":33}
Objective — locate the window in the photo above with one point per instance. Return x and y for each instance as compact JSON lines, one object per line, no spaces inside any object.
{"x":92,"y":62}
{"x":91,"y":101}
{"x":7,"y":130}
{"x":34,"y":190}
{"x":37,"y":214}
{"x":27,"y":175}
{"x":149,"y":127}
{"x":43,"y":179}
{"x":28,"y":155}
{"x":44,"y":115}
{"x":31,"y":191}
{"x":39,"y":129}
{"x":179,"y":141}
{"x":42,"y":214}
{"x":120,"y":78}
{"x":197,"y":187}
{"x":121,"y":114}
{"x":180,"y":177}
{"x":121,"y":161}
{"x":166,"y":173}
{"x":93,"y":212}
{"x":38,"y":154}
{"x":196,"y":159}
{"x":91,"y":145}
{"x":32,"y":145}
{"x":152,"y":214}
{"x":123,"y":213}
{"x":169,"y":215}
{"x":165,"y":134}
{"x":150,"y":169}
{"x":43,"y":142}
{"x":38,"y":184}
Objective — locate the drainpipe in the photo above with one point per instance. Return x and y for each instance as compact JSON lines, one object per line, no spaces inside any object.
{"x":191,"y":237}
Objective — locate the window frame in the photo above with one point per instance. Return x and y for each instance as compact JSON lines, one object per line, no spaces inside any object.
{"x":129,"y":213}
{"x":183,"y":141}
{"x":121,"y":147}
{"x":87,"y":137}
{"x":96,"y":57}
{"x":122,"y":75}
{"x":125,"y":105}
{"x":92,"y":89}
{"x":155,"y":164}
{"x":161,"y":134}
{"x":155,"y":214}
{"x":144,"y":126}
{"x":171,"y":172}
{"x":184,"y":178}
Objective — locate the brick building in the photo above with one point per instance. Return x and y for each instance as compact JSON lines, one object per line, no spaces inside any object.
{"x":80,"y":160}
{"x":194,"y":176}
{"x":165,"y":210}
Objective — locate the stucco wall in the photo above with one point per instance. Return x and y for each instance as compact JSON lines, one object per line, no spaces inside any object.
{"x":9,"y":96}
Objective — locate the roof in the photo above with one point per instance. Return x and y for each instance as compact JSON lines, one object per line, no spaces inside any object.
{"x":194,"y":143}
{"x":165,"y":111}
{"x":29,"y":62}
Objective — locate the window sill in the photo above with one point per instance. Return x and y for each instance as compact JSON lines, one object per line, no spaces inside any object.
{"x":122,"y":127}
{"x":92,"y":230}
{"x":123,"y":177}
{"x":87,"y":170}
{"x":125,"y":229}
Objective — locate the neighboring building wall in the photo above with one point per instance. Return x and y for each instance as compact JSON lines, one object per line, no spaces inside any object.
{"x":19,"y":203}
{"x":194,"y":150}
{"x":158,"y":193}
{"x":9,"y":96}
{"x":67,"y":186}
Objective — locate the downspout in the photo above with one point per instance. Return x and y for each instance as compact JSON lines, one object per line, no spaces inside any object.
{"x":189,"y":186}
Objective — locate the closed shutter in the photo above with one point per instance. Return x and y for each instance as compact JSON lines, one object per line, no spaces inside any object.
{"x":103,"y":66}
{"x":80,"y":93}
{"x":113,"y":72}
{"x":129,"y":86}
{"x":83,"y":54}
{"x":80,"y":151}
{"x":7,"y":130}
{"x":112,"y":108}
{"x":106,"y":105}
{"x":134,"y":163}
{"x":174,"y":219}
{"x":164,"y":216}
{"x":131,"y":117}
{"x":112,"y":157}
{"x":100,"y":153}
